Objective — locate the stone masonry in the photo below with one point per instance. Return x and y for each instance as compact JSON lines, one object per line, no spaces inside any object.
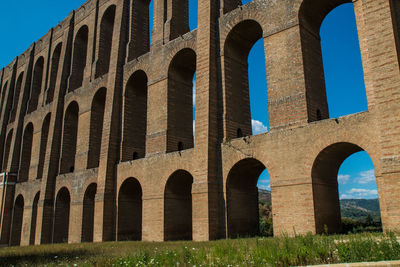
{"x":97,"y":139}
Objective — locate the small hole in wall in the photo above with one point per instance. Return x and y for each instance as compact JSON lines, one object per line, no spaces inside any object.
{"x":135,"y":155}
{"x":239,"y":133}
{"x":180,"y":146}
{"x":72,"y":169}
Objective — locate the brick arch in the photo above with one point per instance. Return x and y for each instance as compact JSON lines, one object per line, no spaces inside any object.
{"x":311,"y":15}
{"x":17,"y":219}
{"x":26,"y":153}
{"x":36,"y":87}
{"x":242,"y":198}
{"x":178,"y":206}
{"x":180,"y":100}
{"x":61,"y":216}
{"x":324,"y":174}
{"x":88,"y":213}
{"x":79,"y":58}
{"x":69,"y":140}
{"x":366,"y":144}
{"x":237,"y":46}
{"x":135,"y":117}
{"x":55,"y":62}
{"x":34,"y":219}
{"x":313,"y":12}
{"x":96,"y":127}
{"x":105,"y":41}
{"x":130,"y":210}
{"x":43,"y":144}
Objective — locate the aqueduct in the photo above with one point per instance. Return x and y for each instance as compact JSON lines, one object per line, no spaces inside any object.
{"x":97,"y":139}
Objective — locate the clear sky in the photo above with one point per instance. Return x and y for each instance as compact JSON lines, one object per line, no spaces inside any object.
{"x":26,"y":21}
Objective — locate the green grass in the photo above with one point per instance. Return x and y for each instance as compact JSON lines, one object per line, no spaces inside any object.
{"x":282,"y":251}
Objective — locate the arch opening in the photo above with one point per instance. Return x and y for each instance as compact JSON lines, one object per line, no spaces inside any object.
{"x":70,"y":137}
{"x":181,"y":74}
{"x":178,"y":207}
{"x":332,"y":59}
{"x":61,"y":216}
{"x":130,"y":211}
{"x":36,"y":87}
{"x":105,"y":41}
{"x":33,"y":219}
{"x":96,"y":128}
{"x":26,"y":153}
{"x":7,"y":151}
{"x":135,"y":117}
{"x":18,"y":215}
{"x":55,"y":62}
{"x":139,"y":43}
{"x":248,"y":198}
{"x":43,"y":145}
{"x":14,"y":96}
{"x":395,"y":8}
{"x":244,"y":58}
{"x":327,"y":180}
{"x":177,"y":22}
{"x":3,"y":95}
{"x":88,"y":213}
{"x":79,"y":59}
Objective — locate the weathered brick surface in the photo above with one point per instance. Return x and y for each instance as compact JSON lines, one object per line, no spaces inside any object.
{"x":97,"y":136}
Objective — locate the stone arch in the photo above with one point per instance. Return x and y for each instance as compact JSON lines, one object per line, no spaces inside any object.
{"x":242,"y":198}
{"x":61,"y":216}
{"x":79,"y":58}
{"x":55,"y":62}
{"x":26,"y":152}
{"x":178,"y":206}
{"x":34,"y":218}
{"x":7,"y":150}
{"x":96,"y":127}
{"x":43,"y":144}
{"x":36,"y":84}
{"x":105,"y":41}
{"x":324,"y":174}
{"x":238,"y":44}
{"x":180,"y":100}
{"x":130,"y":210}
{"x":17,"y":219}
{"x":135,"y":117}
{"x":311,"y":15}
{"x":139,"y":43}
{"x":88,"y":213}
{"x":70,"y":136}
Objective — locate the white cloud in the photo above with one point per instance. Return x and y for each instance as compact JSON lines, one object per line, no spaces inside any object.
{"x":194,"y":126}
{"x":357,"y":193}
{"x":194,"y":93}
{"x":343,"y":178}
{"x":264,"y":187}
{"x":258,"y":127}
{"x":366,"y":177}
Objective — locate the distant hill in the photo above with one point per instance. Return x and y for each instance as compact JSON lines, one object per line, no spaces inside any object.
{"x":356,"y":209}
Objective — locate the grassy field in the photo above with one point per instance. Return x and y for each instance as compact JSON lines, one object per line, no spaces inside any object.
{"x":283,"y":251}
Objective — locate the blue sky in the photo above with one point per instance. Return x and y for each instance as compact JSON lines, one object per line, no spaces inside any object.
{"x":342,"y":65}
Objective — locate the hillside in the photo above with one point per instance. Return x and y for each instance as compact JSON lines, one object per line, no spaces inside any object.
{"x":359,"y":209}
{"x":356,"y":209}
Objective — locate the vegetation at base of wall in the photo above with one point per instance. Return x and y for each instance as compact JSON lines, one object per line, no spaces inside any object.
{"x":279,"y":251}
